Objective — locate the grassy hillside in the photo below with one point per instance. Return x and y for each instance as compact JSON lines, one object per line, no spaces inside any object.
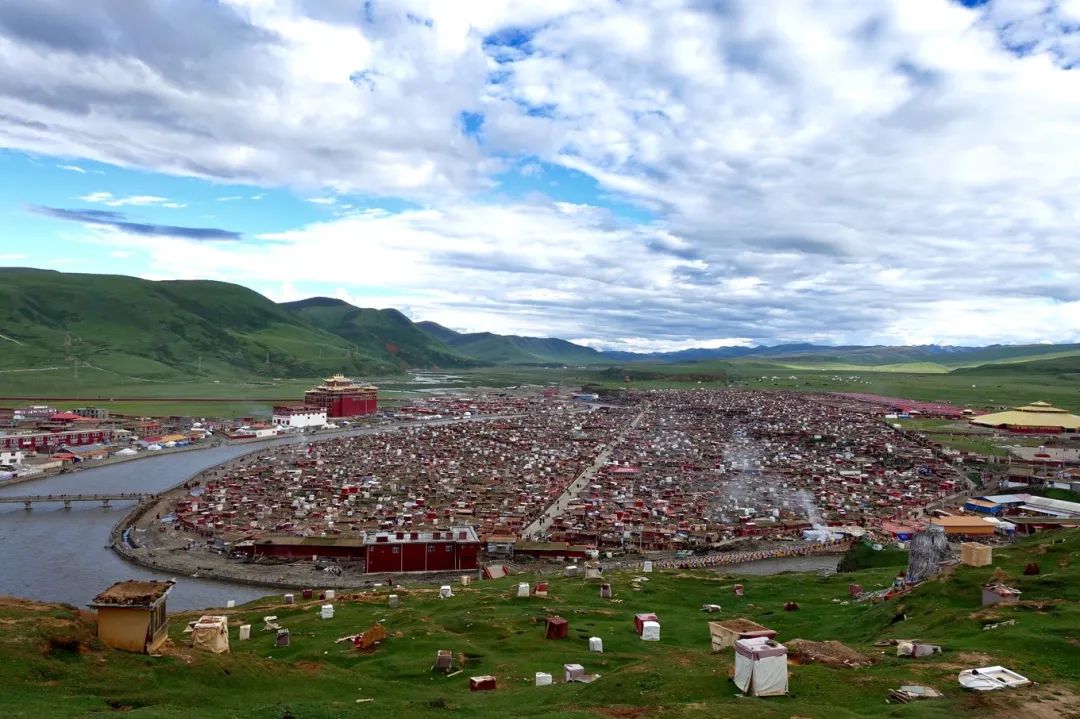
{"x":1062,"y":366}
{"x":386,"y":334}
{"x":514,"y":349}
{"x":49,"y":660}
{"x":160,"y":330}
{"x":443,"y":334}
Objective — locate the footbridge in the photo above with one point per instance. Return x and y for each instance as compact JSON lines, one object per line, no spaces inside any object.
{"x":28,"y":500}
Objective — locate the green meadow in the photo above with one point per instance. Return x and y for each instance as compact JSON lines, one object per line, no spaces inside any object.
{"x":50,"y":664}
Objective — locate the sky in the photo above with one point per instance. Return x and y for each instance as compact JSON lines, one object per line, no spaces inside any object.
{"x":643,"y":176}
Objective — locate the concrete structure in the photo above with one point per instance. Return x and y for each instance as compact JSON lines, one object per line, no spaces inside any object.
{"x":1037,"y":417}
{"x":132,"y":616}
{"x":12,"y":457}
{"x":98,"y":413}
{"x":299,"y":416}
{"x":341,"y":398}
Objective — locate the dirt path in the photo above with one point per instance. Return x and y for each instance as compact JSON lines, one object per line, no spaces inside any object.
{"x":575,"y":488}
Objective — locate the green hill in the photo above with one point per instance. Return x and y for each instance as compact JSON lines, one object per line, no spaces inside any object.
{"x":1063,"y":366}
{"x":161,"y":330}
{"x":919,"y":358}
{"x":385,"y":334}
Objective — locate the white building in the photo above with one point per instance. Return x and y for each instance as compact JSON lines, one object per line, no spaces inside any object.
{"x":11,"y":456}
{"x":299,"y":416}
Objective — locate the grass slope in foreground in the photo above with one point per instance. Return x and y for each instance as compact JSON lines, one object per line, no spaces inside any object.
{"x":44,"y":673}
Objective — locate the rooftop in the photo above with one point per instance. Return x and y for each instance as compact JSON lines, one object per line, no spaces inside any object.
{"x":133,"y":593}
{"x":1036,"y":414}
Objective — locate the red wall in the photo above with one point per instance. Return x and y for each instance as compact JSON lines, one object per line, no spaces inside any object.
{"x":422,"y":557}
{"x":383,"y":558}
{"x":42,"y":440}
{"x":348,"y":406}
{"x":468,"y":556}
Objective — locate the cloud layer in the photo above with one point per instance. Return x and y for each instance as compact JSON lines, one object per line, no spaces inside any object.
{"x":118,"y":221}
{"x":844,"y":172}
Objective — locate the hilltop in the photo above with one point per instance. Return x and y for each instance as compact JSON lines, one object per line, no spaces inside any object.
{"x":160,"y":330}
{"x":48,"y":658}
{"x":385,"y":334}
{"x":514,"y":349}
{"x":126,"y":329}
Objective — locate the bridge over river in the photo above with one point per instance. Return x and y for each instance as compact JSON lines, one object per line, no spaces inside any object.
{"x":28,"y":500}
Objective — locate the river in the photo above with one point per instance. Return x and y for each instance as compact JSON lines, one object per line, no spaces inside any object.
{"x":56,"y":554}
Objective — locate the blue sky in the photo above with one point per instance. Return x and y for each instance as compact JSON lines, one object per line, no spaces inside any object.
{"x":750,"y":172}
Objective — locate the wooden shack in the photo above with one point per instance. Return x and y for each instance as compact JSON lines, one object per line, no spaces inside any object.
{"x":131,"y":615}
{"x":724,"y":634}
{"x":976,"y":554}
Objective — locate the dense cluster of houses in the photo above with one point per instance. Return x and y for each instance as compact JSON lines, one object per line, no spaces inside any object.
{"x":38,"y":439}
{"x":492,"y":476}
{"x":684,"y":469}
{"x":704,"y":466}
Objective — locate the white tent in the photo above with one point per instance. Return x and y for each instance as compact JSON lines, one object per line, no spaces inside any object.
{"x":126,"y":452}
{"x":211,"y":634}
{"x":761,"y":667}
{"x":650,"y":631}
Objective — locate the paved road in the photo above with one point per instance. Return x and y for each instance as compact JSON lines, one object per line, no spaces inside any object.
{"x":574,"y":490}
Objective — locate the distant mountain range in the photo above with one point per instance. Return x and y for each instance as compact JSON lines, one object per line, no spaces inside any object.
{"x":144,"y":329}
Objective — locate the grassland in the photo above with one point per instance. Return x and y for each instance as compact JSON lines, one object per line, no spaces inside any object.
{"x":50,"y":665}
{"x":984,"y":391}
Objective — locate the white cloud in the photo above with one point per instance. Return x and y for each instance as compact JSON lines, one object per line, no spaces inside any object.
{"x":839,"y":171}
{"x":649,"y":344}
{"x":72,"y":168}
{"x":321,"y":200}
{"x":13,"y":257}
{"x":107,"y":198}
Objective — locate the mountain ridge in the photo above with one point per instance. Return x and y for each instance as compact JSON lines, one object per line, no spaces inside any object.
{"x":149,"y":329}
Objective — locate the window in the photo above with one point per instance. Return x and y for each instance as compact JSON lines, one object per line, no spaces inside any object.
{"x":448,"y":548}
{"x":431,"y":548}
{"x":397,"y":550}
